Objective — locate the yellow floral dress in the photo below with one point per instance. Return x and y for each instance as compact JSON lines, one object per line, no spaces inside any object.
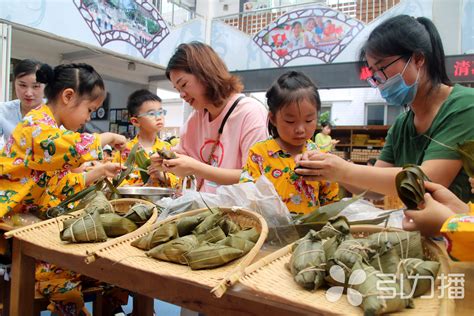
{"x":35,"y":163}
{"x":134,"y":178}
{"x":34,"y":175}
{"x":300,"y":196}
{"x":458,"y":231}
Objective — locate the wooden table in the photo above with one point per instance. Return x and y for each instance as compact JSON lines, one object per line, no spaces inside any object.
{"x":236,"y":301}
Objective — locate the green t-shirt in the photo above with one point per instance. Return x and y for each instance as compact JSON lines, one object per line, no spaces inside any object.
{"x":323,"y":142}
{"x":453,"y":124}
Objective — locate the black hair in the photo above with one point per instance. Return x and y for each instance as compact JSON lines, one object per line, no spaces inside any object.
{"x":404,"y":35}
{"x":137,"y":98}
{"x":324,"y":124}
{"x":291,"y":87}
{"x":26,"y":67}
{"x":82,"y":78}
{"x":295,"y":24}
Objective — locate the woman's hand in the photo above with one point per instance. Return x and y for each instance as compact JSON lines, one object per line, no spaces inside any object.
{"x":428,"y":220}
{"x":335,"y":141}
{"x":444,"y":196}
{"x":317,"y":166}
{"x":181,"y":166}
{"x":471,"y":180}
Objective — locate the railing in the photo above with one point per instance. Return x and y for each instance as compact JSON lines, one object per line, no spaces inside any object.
{"x":253,"y":21}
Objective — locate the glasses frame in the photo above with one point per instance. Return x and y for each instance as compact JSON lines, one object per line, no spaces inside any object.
{"x":376,"y":80}
{"x":154,"y":113}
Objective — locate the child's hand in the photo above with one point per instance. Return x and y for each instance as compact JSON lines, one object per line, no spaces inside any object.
{"x":114,"y":140}
{"x":181,"y":166}
{"x":111,"y":169}
{"x":471,"y":180}
{"x":444,"y":196}
{"x":322,"y":166}
{"x":428,"y":220}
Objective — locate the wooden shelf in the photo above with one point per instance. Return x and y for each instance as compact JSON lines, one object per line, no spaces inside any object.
{"x":346,"y":135}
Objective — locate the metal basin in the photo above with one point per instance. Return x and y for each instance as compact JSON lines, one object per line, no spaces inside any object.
{"x":152,"y":194}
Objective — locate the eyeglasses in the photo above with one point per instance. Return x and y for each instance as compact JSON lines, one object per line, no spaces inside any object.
{"x":377,"y":79}
{"x":154,"y":113}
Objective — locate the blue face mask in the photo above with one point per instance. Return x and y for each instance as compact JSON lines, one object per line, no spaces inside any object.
{"x":396,"y":92}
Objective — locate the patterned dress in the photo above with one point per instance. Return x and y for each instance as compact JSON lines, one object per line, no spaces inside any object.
{"x":35,"y":163}
{"x":458,"y":231}
{"x":134,"y":177}
{"x":300,"y":196}
{"x":34,"y":175}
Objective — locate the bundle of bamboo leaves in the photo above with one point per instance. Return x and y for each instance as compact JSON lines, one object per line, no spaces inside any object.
{"x":99,"y":221}
{"x":206,"y":240}
{"x":394,"y":259}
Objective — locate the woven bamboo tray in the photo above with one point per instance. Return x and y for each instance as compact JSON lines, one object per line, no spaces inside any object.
{"x":270,"y":278}
{"x":46,"y":233}
{"x":217,"y":279}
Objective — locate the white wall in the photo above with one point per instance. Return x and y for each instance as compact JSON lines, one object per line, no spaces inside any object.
{"x":348,"y":105}
{"x":119,"y":92}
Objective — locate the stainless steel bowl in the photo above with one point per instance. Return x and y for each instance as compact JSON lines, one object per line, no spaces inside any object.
{"x":152,"y":194}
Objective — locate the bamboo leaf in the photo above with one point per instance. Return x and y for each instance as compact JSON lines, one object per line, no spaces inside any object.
{"x":410,"y":186}
{"x":129,"y":164}
{"x":466,"y":150}
{"x":324,"y":213}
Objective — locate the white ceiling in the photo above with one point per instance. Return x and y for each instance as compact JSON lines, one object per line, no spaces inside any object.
{"x":48,"y":48}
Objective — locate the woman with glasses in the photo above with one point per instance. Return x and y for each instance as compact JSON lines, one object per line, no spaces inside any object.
{"x":147,"y":115}
{"x":406,"y":57}
{"x":215,"y":140}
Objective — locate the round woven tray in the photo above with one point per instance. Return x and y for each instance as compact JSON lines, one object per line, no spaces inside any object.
{"x":46,"y":233}
{"x":270,"y":278}
{"x":217,"y":279}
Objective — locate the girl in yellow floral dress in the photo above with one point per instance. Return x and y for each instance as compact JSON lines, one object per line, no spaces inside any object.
{"x":293,"y":102}
{"x":146,"y":113}
{"x":36,"y":161}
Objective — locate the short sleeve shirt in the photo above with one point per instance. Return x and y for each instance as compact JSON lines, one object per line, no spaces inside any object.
{"x":453,"y":124}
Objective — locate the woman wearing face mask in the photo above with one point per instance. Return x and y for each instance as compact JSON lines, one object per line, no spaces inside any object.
{"x":30,"y":95}
{"x":406,"y":58}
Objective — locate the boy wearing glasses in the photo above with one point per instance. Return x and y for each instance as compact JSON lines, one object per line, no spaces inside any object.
{"x":146,"y":113}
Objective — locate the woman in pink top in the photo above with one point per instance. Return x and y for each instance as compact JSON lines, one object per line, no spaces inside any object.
{"x":215,"y":140}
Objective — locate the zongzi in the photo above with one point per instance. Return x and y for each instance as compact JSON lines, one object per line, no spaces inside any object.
{"x":377,"y":299}
{"x":308,"y":262}
{"x":211,"y":255}
{"x":407,"y":244}
{"x":213,"y":235}
{"x":139,"y":213}
{"x":174,"y":250}
{"x":116,"y":225}
{"x":237,"y":242}
{"x":87,"y":228}
{"x":100,"y":203}
{"x":188,"y":223}
{"x":159,"y":236}
{"x":410,"y":183}
{"x":422,"y":274}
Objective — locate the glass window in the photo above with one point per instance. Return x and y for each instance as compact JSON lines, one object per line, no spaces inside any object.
{"x":381,"y":114}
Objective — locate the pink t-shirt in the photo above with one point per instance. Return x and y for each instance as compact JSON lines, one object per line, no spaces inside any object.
{"x":245,"y":126}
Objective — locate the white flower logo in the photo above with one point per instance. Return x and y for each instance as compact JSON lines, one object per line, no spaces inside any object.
{"x":334,"y":293}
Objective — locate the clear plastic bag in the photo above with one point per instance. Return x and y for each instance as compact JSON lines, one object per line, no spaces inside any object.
{"x":260,"y":197}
